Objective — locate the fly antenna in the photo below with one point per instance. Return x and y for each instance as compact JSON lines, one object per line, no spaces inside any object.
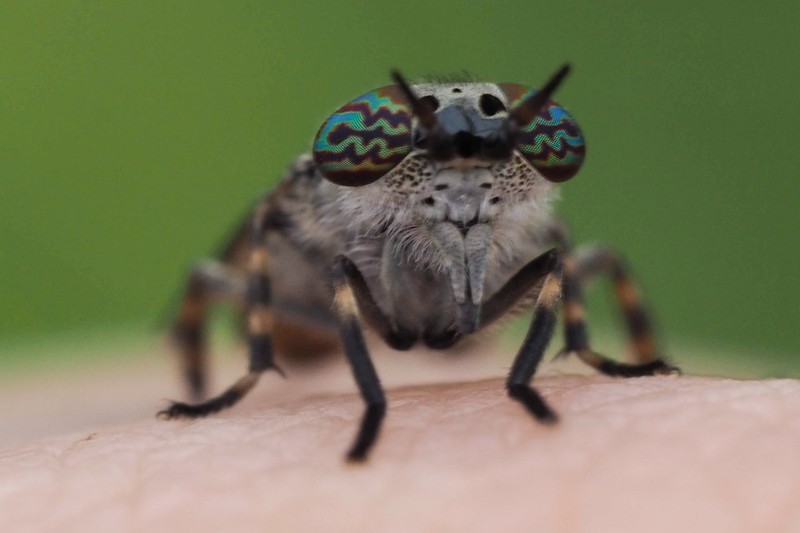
{"x":526,"y":111}
{"x":423,"y":110}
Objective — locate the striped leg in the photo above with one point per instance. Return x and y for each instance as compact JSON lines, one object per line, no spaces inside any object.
{"x":259,"y":328}
{"x":538,"y":337}
{"x":577,"y":270}
{"x":347,"y":313}
{"x":209,"y":281}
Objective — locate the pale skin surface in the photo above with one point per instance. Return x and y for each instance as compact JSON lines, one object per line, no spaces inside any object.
{"x":645,"y":454}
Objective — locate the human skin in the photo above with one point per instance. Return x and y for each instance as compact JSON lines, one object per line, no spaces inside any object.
{"x":645,"y":454}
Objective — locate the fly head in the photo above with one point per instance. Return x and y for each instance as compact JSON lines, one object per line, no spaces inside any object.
{"x":461,"y":152}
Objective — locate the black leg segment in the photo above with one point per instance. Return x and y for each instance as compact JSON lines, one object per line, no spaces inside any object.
{"x":536,"y":341}
{"x":519,"y":286}
{"x":347,"y":312}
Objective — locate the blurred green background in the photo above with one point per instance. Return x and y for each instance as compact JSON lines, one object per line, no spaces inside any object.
{"x":133,"y":135}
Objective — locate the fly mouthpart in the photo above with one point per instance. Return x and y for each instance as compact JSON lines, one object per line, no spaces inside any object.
{"x":463,"y":226}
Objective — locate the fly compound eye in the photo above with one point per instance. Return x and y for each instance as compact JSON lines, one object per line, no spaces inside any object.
{"x":552,"y":141}
{"x":364,"y":139}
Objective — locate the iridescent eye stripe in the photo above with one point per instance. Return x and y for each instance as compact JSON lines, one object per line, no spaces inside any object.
{"x":552,"y":142}
{"x":365,"y":138}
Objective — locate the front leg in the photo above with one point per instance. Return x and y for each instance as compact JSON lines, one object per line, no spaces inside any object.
{"x":539,"y":333}
{"x":346,"y":285}
{"x":545,"y":270}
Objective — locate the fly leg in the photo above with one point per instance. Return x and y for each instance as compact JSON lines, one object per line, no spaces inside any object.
{"x":259,"y":327}
{"x":545,"y":270}
{"x":208,"y":282}
{"x":577,"y":271}
{"x":352,"y":298}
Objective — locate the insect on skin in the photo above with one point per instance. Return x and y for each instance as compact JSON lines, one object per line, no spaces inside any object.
{"x":425,"y":214}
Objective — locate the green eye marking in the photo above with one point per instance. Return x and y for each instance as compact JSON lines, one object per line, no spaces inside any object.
{"x":552,"y":141}
{"x":365,"y":138}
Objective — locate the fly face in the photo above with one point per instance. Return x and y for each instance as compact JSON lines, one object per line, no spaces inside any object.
{"x":466,"y":157}
{"x":471,"y":126}
{"x":452,"y":177}
{"x":458,"y":152}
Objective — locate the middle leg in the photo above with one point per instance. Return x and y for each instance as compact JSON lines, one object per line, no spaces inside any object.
{"x":577,"y":270}
{"x":259,"y":328}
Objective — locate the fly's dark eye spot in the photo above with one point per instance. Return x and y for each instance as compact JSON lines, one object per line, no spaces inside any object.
{"x":440,"y":187}
{"x":428,"y":201}
{"x":486,"y":185}
{"x":491,"y":105}
{"x":431,"y":101}
{"x":456,"y":90}
{"x":494,"y":200}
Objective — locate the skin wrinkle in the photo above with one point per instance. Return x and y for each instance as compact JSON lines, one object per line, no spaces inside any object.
{"x":453,"y":456}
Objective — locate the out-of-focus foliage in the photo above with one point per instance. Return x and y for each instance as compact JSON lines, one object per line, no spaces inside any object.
{"x":134,"y":135}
